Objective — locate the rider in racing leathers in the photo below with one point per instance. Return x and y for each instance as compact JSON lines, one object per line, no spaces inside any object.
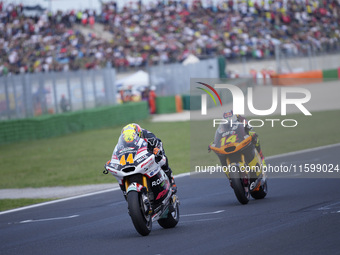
{"x":248,"y":129}
{"x":153,"y":142}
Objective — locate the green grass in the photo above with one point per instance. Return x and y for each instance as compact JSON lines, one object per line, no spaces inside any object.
{"x":7,"y":204}
{"x":79,"y":158}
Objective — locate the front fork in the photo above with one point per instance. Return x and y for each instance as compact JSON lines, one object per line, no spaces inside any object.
{"x":143,"y":189}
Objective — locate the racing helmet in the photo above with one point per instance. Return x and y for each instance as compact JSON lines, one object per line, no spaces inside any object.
{"x":230,"y":117}
{"x":135,"y":127}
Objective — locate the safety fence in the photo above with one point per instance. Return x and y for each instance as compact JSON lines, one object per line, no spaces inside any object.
{"x":60,"y":124}
{"x":28,"y":95}
{"x":174,"y":79}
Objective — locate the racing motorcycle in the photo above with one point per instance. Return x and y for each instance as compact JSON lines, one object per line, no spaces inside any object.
{"x":147,"y":188}
{"x":236,"y":151}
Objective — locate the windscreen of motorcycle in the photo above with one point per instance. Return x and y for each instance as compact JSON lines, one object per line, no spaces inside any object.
{"x":124,"y":154}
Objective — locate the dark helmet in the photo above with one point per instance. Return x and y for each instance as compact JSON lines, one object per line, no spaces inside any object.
{"x":231,"y":119}
{"x":230,"y":116}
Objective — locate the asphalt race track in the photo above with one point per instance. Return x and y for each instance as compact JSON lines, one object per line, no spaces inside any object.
{"x":299,"y":216}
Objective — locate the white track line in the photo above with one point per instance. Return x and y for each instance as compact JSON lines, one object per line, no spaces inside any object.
{"x":58,"y":200}
{"x":50,"y":219}
{"x":303,"y":151}
{"x":199,"y":214}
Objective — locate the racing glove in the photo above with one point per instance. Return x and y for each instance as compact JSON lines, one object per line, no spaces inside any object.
{"x":158,"y":154}
{"x":105,"y":171}
{"x":154,"y":143}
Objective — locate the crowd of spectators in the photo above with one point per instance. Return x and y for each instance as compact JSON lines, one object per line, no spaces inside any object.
{"x":166,"y":31}
{"x":43,"y":43}
{"x":235,"y":29}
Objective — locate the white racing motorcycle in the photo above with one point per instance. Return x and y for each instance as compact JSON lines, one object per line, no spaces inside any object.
{"x":147,"y":187}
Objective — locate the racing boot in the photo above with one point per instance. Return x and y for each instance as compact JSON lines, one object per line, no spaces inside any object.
{"x":255,"y":185}
{"x":173,"y":185}
{"x":168,"y":172}
{"x":256,"y":142}
{"x":262,"y":157}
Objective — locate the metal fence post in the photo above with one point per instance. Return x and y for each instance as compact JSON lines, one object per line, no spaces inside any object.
{"x":69,"y":89}
{"x":15,"y":97}
{"x":112,"y":85}
{"x":28,"y":91}
{"x":106,"y":86}
{"x":278,"y":58}
{"x":24,"y":95}
{"x":8,"y":110}
{"x":109,"y":84}
{"x":94,"y":87}
{"x":41,"y":94}
{"x":82,"y":89}
{"x":55,"y":93}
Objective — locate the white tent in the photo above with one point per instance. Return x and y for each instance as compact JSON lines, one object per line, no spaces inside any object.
{"x":136,"y":80}
{"x":191,"y":59}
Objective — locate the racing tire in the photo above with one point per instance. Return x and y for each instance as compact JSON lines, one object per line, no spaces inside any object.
{"x":172,"y":218}
{"x":261,"y":193}
{"x":141,"y":220}
{"x":238,"y":188}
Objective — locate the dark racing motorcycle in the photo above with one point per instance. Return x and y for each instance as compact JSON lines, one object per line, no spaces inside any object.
{"x":147,"y":187}
{"x":238,"y":154}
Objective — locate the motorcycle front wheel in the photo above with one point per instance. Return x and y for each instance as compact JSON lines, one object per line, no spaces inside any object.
{"x":238,"y":187}
{"x":140,"y":217}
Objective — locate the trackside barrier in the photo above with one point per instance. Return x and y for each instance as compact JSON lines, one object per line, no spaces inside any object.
{"x":172,"y":104}
{"x":166,"y":104}
{"x":297,"y":78}
{"x":61,"y":124}
{"x":186,"y":102}
{"x":179,"y":103}
{"x":330,"y":75}
{"x":310,"y":77}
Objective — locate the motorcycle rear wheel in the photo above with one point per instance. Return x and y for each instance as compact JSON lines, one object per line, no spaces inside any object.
{"x":238,"y":187}
{"x":140,"y":219}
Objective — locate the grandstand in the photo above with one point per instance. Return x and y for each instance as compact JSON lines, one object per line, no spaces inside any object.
{"x":149,"y":34}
